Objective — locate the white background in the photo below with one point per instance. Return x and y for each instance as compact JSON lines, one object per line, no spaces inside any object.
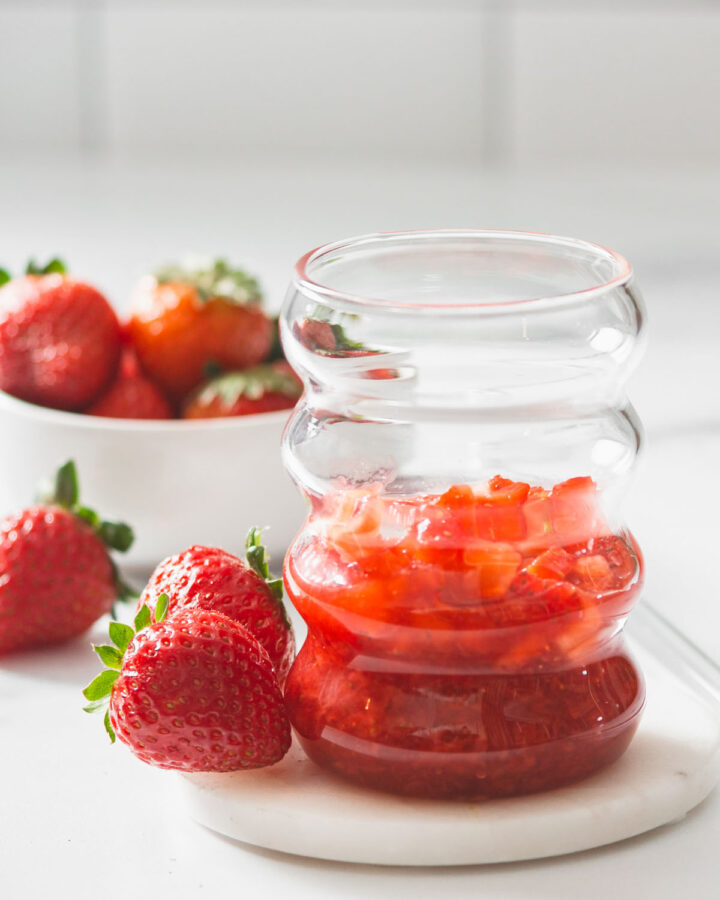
{"x":481,"y":81}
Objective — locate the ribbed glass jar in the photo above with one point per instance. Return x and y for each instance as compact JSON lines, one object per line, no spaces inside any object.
{"x":465,"y":442}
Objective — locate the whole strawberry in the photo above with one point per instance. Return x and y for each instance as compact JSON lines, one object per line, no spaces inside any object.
{"x":329,"y":339}
{"x":131,"y":395}
{"x":185,"y":319}
{"x":194,"y":692}
{"x":261,"y":389}
{"x":213,"y":579}
{"x":56,"y":575}
{"x":59,"y":339}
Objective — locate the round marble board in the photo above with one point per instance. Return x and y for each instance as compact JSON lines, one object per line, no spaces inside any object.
{"x":295,"y":807}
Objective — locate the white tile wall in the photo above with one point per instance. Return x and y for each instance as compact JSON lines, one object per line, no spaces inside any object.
{"x":38,"y":78}
{"x":639,"y":85}
{"x":479,"y":80}
{"x":296,"y":80}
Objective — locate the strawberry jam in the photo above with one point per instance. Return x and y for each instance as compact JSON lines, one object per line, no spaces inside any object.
{"x":467,"y":643}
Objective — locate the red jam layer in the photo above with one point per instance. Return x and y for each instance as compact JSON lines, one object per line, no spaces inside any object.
{"x":464,"y":644}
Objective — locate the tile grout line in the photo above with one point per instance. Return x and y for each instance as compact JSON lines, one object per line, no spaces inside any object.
{"x":91,"y":77}
{"x":497,"y":67}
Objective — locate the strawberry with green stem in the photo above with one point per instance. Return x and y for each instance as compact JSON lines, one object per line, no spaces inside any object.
{"x":185,"y":317}
{"x":56,"y":573}
{"x":192,"y":691}
{"x":325,"y":338}
{"x":264,"y":388}
{"x":213,"y":579}
{"x":328,"y":338}
{"x":59,"y":338}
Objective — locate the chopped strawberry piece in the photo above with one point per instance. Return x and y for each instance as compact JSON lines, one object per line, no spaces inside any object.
{"x":459,"y":496}
{"x":538,"y":518}
{"x":554,"y":563}
{"x":574,"y":508}
{"x":500,"y":522}
{"x":592,"y":572}
{"x":616,"y":563}
{"x":502,"y":490}
{"x":497,"y":566}
{"x":355,"y":524}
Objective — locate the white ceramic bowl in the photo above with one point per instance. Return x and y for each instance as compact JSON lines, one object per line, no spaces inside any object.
{"x":176,"y":482}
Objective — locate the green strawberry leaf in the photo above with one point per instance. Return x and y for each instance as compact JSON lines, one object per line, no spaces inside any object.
{"x":66,"y":493}
{"x":66,"y":485}
{"x":343,"y":342}
{"x":99,"y":691}
{"x":116,"y":535}
{"x":89,"y":516}
{"x":143,"y":618}
{"x":257,"y":560}
{"x":4,"y":277}
{"x":213,"y":279}
{"x":121,"y":635}
{"x":54,"y":266}
{"x":255,"y":553}
{"x":161,"y":607}
{"x":108,"y":726}
{"x":111,"y":656}
{"x":101,"y":685}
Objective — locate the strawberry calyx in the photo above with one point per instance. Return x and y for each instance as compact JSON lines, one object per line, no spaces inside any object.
{"x":112,"y":655}
{"x":252,"y":384}
{"x":54,"y":266}
{"x":65,"y":493}
{"x":213,"y":279}
{"x":257,"y":558}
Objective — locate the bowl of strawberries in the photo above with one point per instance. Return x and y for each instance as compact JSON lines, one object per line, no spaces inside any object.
{"x":174,"y":416}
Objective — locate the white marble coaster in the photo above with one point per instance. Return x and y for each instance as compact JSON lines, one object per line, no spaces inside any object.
{"x":295,"y":807}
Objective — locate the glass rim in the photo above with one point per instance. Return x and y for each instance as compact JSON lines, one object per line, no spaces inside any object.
{"x":303,"y":281}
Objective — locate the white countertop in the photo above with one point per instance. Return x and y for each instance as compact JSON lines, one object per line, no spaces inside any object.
{"x":85,"y":818}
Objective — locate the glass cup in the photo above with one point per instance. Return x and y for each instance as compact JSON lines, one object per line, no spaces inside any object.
{"x":465,"y":442}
